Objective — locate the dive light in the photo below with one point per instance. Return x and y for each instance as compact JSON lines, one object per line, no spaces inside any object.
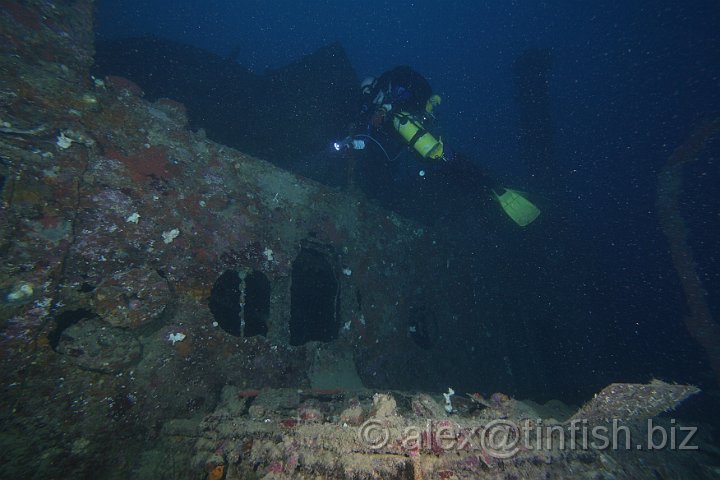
{"x":349,"y":142}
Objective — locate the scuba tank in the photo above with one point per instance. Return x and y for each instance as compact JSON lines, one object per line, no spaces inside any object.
{"x":417,"y":136}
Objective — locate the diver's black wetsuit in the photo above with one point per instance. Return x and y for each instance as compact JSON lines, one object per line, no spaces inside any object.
{"x":402,"y":88}
{"x":397,"y":90}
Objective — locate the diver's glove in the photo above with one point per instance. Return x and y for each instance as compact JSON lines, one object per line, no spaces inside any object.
{"x":378,"y":118}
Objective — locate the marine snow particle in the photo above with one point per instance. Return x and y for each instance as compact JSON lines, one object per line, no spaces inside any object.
{"x":347,"y":271}
{"x":168,"y":237}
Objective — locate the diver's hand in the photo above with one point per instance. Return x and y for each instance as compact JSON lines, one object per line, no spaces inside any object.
{"x":378,"y":118}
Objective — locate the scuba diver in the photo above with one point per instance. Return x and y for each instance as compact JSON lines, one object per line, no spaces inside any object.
{"x":401,"y":101}
{"x":399,"y":107}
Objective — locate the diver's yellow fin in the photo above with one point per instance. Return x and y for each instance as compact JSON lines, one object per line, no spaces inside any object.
{"x":517,"y":207}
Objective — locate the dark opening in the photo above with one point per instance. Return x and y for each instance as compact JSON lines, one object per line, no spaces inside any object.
{"x":64,"y":321}
{"x":225,"y":302}
{"x":423,"y":326}
{"x":241,"y":307}
{"x":257,"y":304}
{"x":313,"y":299}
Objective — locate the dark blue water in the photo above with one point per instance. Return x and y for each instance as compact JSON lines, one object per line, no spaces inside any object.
{"x":628,"y":82}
